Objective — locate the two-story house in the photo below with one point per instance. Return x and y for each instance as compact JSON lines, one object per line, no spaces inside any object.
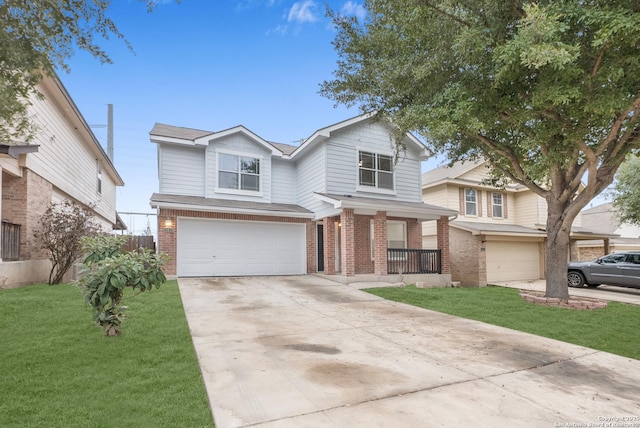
{"x":499,"y":234}
{"x":64,"y":161}
{"x":603,"y":217}
{"x":232,"y":203}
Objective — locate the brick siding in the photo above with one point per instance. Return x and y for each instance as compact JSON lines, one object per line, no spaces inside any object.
{"x":24,"y":201}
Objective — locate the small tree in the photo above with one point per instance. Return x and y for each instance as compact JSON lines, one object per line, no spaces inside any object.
{"x":108,"y":271}
{"x":626,"y":191}
{"x":61,"y":227}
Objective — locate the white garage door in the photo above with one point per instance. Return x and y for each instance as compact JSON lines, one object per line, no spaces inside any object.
{"x":237,"y":248}
{"x":512,"y":261}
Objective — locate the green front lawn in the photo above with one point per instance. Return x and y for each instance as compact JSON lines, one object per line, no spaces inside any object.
{"x":613,"y":329}
{"x":58,"y":370}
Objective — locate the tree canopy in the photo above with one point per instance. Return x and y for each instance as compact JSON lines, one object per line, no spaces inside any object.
{"x":37,"y":37}
{"x":547,"y":91}
{"x":626,"y":191}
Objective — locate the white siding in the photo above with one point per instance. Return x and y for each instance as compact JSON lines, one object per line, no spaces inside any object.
{"x":67,"y":160}
{"x":310,"y":172}
{"x":240,"y":144}
{"x":283,"y":182}
{"x":342,"y":162}
{"x":181,"y":170}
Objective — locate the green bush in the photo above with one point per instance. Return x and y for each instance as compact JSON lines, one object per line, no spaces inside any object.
{"x":108,"y":271}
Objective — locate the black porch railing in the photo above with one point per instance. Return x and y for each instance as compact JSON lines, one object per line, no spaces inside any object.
{"x":408,"y":261}
{"x":10,"y":241}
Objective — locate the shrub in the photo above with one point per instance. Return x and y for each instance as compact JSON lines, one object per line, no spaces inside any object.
{"x":108,"y":271}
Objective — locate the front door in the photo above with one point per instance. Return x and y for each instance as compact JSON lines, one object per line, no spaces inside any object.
{"x":320,"y":246}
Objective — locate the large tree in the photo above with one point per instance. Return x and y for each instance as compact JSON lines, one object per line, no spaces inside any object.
{"x":38,"y":36}
{"x":548,"y":91}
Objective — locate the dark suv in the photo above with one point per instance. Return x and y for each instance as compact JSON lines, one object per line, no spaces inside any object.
{"x":621,"y":269}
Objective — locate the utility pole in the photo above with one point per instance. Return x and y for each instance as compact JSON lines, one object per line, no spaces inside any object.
{"x":110,"y":132}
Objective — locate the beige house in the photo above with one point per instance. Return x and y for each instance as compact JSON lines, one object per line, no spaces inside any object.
{"x":499,"y":234}
{"x":65,"y":161}
{"x":602,"y":217}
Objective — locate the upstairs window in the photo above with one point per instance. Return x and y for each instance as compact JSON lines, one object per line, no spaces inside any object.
{"x":470,"y":202}
{"x":99,"y":179}
{"x":497,"y":205}
{"x":375,"y":171}
{"x":238,"y":172}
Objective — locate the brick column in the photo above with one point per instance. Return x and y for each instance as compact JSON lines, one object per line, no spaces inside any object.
{"x":380,"y":243}
{"x":414,"y":234}
{"x":443,"y":243}
{"x":329,"y":237}
{"x":312,"y":259}
{"x":347,"y":243}
{"x":167,"y":231}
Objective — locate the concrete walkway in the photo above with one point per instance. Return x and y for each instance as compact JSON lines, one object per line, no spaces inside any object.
{"x":308,"y":352}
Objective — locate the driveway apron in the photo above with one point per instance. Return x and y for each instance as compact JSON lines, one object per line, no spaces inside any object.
{"x":303,"y":351}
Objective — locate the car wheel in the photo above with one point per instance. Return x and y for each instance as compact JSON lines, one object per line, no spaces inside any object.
{"x":575,"y":279}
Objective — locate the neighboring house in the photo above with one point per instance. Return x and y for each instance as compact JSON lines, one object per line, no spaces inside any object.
{"x":499,"y":234}
{"x":64,"y":162}
{"x":602,"y":217}
{"x":231,"y":203}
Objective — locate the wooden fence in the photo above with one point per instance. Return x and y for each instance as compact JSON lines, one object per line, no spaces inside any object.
{"x":135,"y":242}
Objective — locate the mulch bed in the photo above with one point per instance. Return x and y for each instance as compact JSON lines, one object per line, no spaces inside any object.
{"x":573,"y":302}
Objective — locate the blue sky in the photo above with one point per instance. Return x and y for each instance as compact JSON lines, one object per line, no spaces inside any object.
{"x":208,"y":65}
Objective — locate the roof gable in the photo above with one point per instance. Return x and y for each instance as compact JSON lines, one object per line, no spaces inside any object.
{"x":325,"y":133}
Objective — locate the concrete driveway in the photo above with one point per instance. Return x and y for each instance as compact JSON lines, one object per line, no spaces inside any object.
{"x":309,"y":352}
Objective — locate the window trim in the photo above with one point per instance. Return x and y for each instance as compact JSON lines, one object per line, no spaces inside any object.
{"x":475,"y":192}
{"x":99,"y":179}
{"x":501,"y":205}
{"x":372,"y":234}
{"x":375,"y":189}
{"x":238,"y":191}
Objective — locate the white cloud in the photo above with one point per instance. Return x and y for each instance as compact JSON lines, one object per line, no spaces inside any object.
{"x":303,"y":11}
{"x":353,"y":8}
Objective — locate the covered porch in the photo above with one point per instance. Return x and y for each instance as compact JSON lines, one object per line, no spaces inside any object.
{"x":380,"y":238}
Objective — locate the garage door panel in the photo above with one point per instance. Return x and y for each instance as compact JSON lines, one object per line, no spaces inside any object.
{"x":234,"y":248}
{"x":512,"y":261}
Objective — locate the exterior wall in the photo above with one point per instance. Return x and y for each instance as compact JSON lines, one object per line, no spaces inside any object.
{"x":311,"y":177}
{"x":363,"y":259}
{"x":468,"y":258}
{"x":527,"y":209}
{"x":168,"y":231}
{"x":68,"y":159}
{"x":181,"y":170}
{"x":342,"y":156}
{"x":24,"y":200}
{"x":283,"y":184}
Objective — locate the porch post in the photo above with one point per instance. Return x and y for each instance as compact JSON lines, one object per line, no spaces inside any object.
{"x":573,"y":250}
{"x":347,"y":242}
{"x":329,"y":238}
{"x":380,"y":243}
{"x":443,"y":243}
{"x":606,"y":246}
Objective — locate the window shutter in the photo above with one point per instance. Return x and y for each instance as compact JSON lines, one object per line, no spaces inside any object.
{"x":462,"y":210}
{"x":479,"y":202}
{"x":504,"y":206}
{"x":489,"y":204}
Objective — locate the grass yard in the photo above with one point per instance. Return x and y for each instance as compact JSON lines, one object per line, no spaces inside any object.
{"x":612,"y":329}
{"x":58,"y":370}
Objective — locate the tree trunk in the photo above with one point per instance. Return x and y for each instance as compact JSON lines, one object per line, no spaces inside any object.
{"x":557,"y":257}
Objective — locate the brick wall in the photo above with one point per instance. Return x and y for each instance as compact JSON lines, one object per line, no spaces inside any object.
{"x":347,"y":242}
{"x":468,"y":261}
{"x":380,"y":244}
{"x":329,"y":245}
{"x":363,"y":262}
{"x":168,"y":230}
{"x":24,"y":201}
{"x":444,"y":245}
